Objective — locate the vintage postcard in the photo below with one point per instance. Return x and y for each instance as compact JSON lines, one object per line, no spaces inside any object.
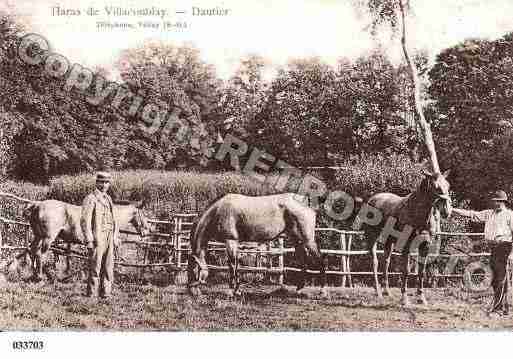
{"x":242,"y":166}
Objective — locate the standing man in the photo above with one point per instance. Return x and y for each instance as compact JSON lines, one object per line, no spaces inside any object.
{"x":498,"y":232}
{"x":100,"y":228}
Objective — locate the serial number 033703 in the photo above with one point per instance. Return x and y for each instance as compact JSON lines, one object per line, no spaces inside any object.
{"x":27,"y":345}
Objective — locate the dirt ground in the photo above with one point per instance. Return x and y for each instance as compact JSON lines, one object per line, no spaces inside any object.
{"x":43,"y":306}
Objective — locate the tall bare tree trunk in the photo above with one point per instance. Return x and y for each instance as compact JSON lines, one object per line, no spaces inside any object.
{"x":424,"y":125}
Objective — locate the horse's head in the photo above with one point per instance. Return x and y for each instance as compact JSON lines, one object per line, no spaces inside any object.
{"x":197,"y":272}
{"x":139,"y":220}
{"x":437,"y":187}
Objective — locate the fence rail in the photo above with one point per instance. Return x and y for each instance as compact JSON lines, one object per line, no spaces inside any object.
{"x":175,"y":240}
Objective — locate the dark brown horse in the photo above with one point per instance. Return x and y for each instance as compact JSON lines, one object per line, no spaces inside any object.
{"x":51,"y":219}
{"x":236,"y":218}
{"x":417,"y":210}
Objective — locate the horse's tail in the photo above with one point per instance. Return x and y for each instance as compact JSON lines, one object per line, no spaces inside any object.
{"x":192,"y":236}
{"x":354,"y":219}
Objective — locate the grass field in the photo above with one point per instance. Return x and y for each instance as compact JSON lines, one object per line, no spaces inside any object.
{"x":25,"y":306}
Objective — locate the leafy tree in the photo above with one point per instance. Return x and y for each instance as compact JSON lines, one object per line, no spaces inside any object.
{"x":299,"y":120}
{"x":393,"y":13}
{"x":375,"y":103}
{"x":472,"y":84}
{"x":176,"y":78}
{"x":243,"y":97}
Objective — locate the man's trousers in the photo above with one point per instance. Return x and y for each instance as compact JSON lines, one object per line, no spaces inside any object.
{"x":101,"y":266}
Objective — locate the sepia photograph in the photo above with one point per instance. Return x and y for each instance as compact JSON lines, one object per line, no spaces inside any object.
{"x":255,"y":166}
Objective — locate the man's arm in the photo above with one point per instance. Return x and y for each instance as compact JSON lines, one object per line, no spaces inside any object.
{"x":462,"y":212}
{"x":477,"y":216}
{"x":86,"y":220}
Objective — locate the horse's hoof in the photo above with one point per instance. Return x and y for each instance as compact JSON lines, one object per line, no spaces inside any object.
{"x":35,"y":279}
{"x":231,"y":293}
{"x":386,"y":293}
{"x":421,"y":299}
{"x":195,"y":292}
{"x":302,"y":294}
{"x":324,"y":293}
{"x":405,"y":301}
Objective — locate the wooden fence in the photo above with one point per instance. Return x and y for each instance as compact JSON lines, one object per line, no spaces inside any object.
{"x":172,"y":236}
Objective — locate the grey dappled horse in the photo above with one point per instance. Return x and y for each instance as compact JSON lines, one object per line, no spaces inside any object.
{"x":51,"y":219}
{"x":418,"y":210}
{"x":236,"y":218}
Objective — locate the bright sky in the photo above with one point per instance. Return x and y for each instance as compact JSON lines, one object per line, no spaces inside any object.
{"x":276,"y":29}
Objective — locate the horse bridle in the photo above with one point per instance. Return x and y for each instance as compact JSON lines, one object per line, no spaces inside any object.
{"x":439,"y":197}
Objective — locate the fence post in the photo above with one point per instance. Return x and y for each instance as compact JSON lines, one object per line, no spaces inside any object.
{"x":179,"y":242}
{"x":348,"y":261}
{"x":142,"y":272}
{"x":281,"y":263}
{"x":343,"y":262}
{"x":170,"y":247}
{"x":1,"y":239}
{"x":67,"y":271}
{"x":178,"y":247}
{"x":269,"y":262}
{"x":408,"y":266}
{"x":174,"y":238}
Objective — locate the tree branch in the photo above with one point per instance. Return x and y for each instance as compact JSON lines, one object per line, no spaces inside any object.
{"x":424,"y":125}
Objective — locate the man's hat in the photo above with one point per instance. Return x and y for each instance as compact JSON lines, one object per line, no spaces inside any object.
{"x":499,"y":196}
{"x":103,"y":177}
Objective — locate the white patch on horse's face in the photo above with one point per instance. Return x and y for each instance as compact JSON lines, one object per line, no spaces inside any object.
{"x":441,"y":185}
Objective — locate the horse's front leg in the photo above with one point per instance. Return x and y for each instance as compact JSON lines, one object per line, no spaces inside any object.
{"x":45,"y":254}
{"x":389,"y":248}
{"x":405,"y":271}
{"x":233,"y":264}
{"x":375,"y":267}
{"x":67,"y":271}
{"x":315,"y":252}
{"x":423,"y":256}
{"x":301,"y":259}
{"x":35,"y":258}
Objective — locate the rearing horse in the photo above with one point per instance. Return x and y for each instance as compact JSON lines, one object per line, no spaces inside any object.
{"x":418,"y":210}
{"x":237,"y":218}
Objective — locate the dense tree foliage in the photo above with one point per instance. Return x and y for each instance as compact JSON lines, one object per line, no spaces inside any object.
{"x":472,"y":84}
{"x":308,"y":113}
